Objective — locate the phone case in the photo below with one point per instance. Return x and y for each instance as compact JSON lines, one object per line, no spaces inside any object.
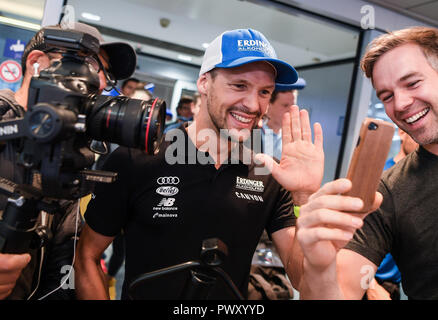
{"x":369,"y":159}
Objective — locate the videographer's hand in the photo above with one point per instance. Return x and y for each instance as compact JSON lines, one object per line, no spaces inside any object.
{"x":327,"y":223}
{"x":11,"y":266}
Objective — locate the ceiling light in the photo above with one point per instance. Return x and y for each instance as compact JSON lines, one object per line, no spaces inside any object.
{"x":205,"y":45}
{"x":19,"y":23}
{"x":90,"y":16}
{"x":184,"y":57}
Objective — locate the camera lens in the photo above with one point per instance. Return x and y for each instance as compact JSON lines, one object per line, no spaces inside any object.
{"x":128,"y":122}
{"x":373,"y":126}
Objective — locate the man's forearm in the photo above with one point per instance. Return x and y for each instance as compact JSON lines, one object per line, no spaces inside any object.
{"x":320,"y":284}
{"x":90,"y":281}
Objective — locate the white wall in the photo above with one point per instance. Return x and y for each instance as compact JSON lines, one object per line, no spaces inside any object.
{"x":326,"y":98}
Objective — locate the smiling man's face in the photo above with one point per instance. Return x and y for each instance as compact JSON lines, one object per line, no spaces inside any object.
{"x":238,"y":97}
{"x":407,"y":85}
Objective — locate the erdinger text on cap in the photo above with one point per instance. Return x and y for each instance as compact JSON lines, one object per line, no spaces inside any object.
{"x":238,"y":47}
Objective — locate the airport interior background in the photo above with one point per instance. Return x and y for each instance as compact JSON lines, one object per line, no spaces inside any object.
{"x":323,"y":40}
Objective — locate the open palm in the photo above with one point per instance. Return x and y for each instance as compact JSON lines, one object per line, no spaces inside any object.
{"x":301,"y":167}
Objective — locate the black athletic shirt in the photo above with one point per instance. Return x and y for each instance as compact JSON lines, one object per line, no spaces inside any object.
{"x":167,"y":210}
{"x":406,"y":224}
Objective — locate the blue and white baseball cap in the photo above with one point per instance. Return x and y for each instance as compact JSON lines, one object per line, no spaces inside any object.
{"x":238,"y":47}
{"x":300,"y":84}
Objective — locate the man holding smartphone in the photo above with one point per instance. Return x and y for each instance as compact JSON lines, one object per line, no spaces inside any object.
{"x":403,"y":68}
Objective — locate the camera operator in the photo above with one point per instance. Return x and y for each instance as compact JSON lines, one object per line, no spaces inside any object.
{"x":37,"y":273}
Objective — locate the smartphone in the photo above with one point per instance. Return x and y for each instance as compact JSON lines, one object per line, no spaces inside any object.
{"x":368,"y":160}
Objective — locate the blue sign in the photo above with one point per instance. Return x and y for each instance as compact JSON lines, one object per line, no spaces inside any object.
{"x":14,"y":48}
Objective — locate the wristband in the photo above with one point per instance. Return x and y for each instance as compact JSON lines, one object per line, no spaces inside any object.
{"x":297,"y":211}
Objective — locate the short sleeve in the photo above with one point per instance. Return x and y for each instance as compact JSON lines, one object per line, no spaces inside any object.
{"x":107,"y":210}
{"x":283,"y":215}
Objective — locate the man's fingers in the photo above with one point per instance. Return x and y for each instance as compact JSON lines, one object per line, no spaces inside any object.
{"x":295,"y":123}
{"x":311,"y":236}
{"x":317,"y":131}
{"x":266,"y":161}
{"x":13,"y":262}
{"x":305,"y":126}
{"x":333,"y":187}
{"x":10,"y":269}
{"x":377,"y":201}
{"x":335,"y":202}
{"x":6,"y":290}
{"x":332,"y":218}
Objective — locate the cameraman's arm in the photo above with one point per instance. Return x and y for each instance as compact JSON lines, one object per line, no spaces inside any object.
{"x":10,"y":269}
{"x":89,"y":277}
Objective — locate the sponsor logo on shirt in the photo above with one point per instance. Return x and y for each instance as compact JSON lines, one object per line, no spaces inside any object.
{"x":167,"y":191}
{"x":165,"y":208}
{"x":168,"y":180}
{"x":249,"y":196}
{"x":166,"y":205}
{"x":250,"y":185}
{"x":166,"y":202}
{"x":164,"y":215}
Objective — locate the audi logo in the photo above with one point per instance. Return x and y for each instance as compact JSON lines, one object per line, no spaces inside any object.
{"x":168,"y":180}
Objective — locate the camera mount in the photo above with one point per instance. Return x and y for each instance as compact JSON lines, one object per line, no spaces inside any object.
{"x":203,"y":273}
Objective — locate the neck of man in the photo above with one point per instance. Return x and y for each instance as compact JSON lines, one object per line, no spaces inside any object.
{"x":210,"y":140}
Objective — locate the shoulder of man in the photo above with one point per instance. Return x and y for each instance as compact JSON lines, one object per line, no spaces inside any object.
{"x":9,"y":107}
{"x":402,"y":172}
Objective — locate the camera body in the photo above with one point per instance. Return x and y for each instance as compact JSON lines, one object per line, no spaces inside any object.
{"x":65,"y":113}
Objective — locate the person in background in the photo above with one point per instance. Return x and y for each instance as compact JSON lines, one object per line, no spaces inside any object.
{"x":197,"y":104}
{"x":129,"y":86}
{"x":280,"y":102}
{"x":183,"y":111}
{"x":169,"y":116}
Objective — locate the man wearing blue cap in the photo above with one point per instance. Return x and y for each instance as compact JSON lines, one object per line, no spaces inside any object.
{"x":280,"y":102}
{"x":167,"y":209}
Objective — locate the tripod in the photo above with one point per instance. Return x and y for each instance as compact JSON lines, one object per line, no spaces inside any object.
{"x":19,"y":229}
{"x":203,"y":273}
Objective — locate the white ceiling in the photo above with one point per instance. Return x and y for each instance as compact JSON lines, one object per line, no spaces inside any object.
{"x":297,"y":39}
{"x":32,"y":10}
{"x":425,"y":10}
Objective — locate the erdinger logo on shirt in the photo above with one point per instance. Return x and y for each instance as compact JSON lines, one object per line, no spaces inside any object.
{"x":248,"y":184}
